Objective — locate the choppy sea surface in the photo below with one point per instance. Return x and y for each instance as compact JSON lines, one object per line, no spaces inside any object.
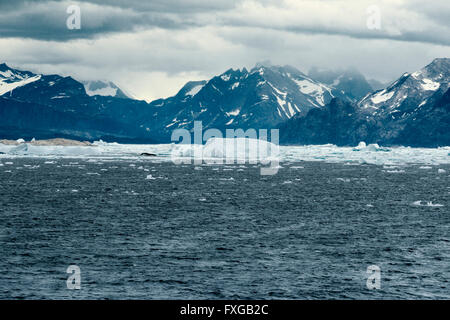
{"x":145,"y":228}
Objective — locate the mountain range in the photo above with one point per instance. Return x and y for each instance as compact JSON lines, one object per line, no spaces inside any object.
{"x":339,"y":107}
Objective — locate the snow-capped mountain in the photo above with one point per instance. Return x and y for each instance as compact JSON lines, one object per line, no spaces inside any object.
{"x":16,"y":83}
{"x":318,"y":108}
{"x":48,"y":106}
{"x":27,"y":86}
{"x":105,"y":88}
{"x":263,"y":97}
{"x":413,"y":111}
{"x":11,"y":79}
{"x":410,"y":92}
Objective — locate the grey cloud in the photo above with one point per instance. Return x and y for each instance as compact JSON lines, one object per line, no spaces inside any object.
{"x":45,"y":20}
{"x":140,"y":5}
{"x":439,"y":13}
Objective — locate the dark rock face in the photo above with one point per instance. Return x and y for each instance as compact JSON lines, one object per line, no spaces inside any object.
{"x":339,"y":123}
{"x":430,"y":126}
{"x":342,"y":124}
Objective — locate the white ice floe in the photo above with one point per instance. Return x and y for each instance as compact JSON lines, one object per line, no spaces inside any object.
{"x":99,"y":149}
{"x":426,"y":204}
{"x":226,"y":179}
{"x":32,"y":150}
{"x":362,"y":154}
{"x":394,"y":171}
{"x":362,"y":146}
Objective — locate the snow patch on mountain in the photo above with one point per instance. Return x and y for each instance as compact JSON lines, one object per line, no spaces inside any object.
{"x":234,"y":112}
{"x":10,"y":86}
{"x":195,"y":90}
{"x":382,"y":96}
{"x":411,"y":90}
{"x":11,"y":79}
{"x":307,"y":87}
{"x":316,"y":90}
{"x":107,"y":91}
{"x":430,"y":85}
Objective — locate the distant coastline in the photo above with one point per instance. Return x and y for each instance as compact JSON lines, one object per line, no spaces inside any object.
{"x":48,"y":142}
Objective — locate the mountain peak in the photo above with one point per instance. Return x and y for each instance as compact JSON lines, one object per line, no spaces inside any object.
{"x":4,"y":66}
{"x":263,"y":64}
{"x":439,"y":64}
{"x":191,"y":88}
{"x":411,"y":91}
{"x":103,"y":88}
{"x":285,"y":71}
{"x":441,"y":60}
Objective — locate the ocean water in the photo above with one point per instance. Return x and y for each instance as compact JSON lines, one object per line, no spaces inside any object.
{"x":149,"y":229}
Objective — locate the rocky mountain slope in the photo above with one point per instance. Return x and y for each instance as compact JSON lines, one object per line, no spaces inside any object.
{"x":413,"y":111}
{"x":322,"y":107}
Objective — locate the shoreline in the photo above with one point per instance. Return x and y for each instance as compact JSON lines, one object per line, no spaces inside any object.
{"x":47,"y":142}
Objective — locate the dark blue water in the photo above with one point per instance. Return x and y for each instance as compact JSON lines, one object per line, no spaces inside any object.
{"x":221,"y":232}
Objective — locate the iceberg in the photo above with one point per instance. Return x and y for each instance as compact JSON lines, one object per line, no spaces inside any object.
{"x":362,"y":146}
{"x":426,"y":204}
{"x":240,"y":150}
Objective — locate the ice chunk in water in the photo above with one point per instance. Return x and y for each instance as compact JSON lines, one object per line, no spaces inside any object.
{"x":426,"y":204}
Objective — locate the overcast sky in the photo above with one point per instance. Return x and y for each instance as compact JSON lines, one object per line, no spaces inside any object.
{"x":151,"y":48}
